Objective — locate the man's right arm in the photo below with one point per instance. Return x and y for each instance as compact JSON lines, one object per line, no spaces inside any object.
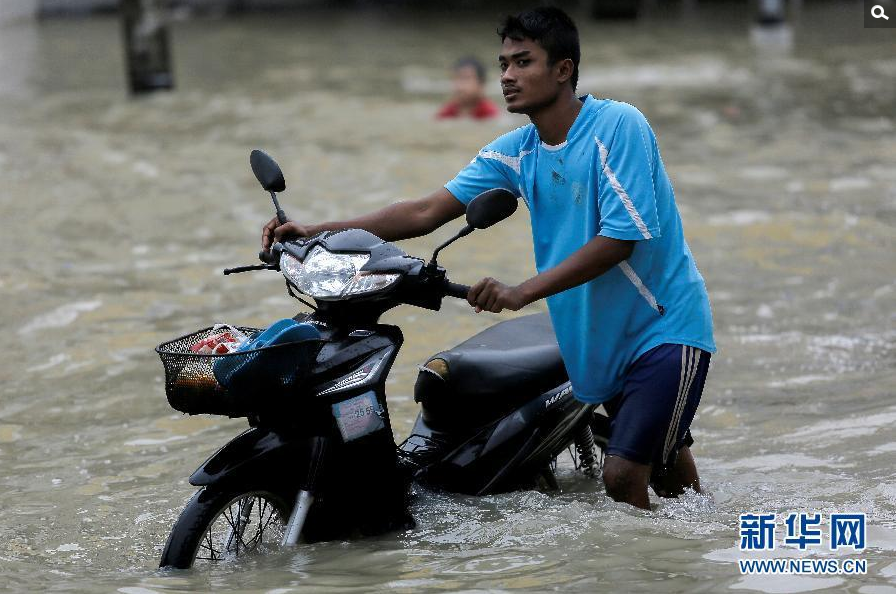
{"x":401,"y":220}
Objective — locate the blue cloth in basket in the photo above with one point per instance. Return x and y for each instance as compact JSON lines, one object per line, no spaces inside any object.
{"x":235,"y":368}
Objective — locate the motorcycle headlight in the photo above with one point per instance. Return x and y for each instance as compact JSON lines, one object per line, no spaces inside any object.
{"x":325,"y":275}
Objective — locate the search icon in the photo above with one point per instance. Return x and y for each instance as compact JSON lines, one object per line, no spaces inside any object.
{"x":877,"y":11}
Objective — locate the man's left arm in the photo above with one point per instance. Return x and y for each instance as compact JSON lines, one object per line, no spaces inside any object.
{"x":588,"y":262}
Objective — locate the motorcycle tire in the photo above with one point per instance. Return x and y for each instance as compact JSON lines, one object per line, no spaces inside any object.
{"x":219,"y":525}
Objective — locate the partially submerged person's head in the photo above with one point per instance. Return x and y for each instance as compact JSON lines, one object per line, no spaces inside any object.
{"x":469,"y":80}
{"x":539,"y":57}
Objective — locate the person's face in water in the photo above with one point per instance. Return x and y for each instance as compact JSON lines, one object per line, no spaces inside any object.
{"x":528,"y":82}
{"x":467,"y":86}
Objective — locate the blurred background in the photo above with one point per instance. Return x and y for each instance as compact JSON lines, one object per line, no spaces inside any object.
{"x":125,"y":131}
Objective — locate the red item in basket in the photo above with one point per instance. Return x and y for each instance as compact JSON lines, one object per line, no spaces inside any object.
{"x":218,"y":344}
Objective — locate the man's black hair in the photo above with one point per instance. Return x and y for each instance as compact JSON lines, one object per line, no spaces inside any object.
{"x":552,"y":29}
{"x":470,"y":62}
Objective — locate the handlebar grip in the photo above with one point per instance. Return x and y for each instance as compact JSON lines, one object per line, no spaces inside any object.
{"x":456,"y":290}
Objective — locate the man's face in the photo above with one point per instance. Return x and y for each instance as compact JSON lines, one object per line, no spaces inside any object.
{"x":527,"y":81}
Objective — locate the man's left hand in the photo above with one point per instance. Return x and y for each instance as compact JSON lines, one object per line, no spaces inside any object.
{"x":494,"y":296}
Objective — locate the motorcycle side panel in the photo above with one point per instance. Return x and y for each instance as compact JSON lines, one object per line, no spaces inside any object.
{"x":509,"y":453}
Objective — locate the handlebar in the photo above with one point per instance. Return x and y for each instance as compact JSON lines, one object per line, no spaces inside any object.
{"x":456,"y":290}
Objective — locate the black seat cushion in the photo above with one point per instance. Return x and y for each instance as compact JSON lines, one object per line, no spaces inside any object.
{"x":491,"y":373}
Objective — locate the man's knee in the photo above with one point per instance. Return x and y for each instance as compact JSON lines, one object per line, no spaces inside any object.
{"x":616,"y":481}
{"x":625,"y":480}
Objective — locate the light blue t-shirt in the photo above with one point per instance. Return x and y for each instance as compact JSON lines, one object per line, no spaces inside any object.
{"x":606,"y":179}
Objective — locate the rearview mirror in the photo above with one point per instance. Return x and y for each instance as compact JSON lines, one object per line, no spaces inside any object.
{"x":490,"y":207}
{"x":483,"y":211}
{"x":266,"y":171}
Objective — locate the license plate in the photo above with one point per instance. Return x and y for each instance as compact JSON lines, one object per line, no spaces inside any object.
{"x":358,"y":416}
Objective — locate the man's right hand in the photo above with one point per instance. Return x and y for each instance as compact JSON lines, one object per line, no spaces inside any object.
{"x":400,"y":220}
{"x":274,"y":231}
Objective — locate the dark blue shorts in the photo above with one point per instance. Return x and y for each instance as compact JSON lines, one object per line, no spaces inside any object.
{"x":651,"y":419}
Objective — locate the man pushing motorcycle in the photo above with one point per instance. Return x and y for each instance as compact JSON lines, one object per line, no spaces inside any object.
{"x":627,"y":303}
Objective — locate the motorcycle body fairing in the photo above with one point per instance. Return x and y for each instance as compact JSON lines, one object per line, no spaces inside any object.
{"x":509,"y":453}
{"x":502,"y":452}
{"x":348,"y":364}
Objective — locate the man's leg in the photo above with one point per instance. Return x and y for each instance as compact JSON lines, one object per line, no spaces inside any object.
{"x":682,"y":475}
{"x":626,"y":481}
{"x":649,"y":436}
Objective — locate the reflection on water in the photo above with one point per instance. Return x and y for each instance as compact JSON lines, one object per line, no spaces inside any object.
{"x":118,"y":215}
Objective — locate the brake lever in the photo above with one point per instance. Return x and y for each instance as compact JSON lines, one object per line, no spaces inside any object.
{"x":239,"y":269}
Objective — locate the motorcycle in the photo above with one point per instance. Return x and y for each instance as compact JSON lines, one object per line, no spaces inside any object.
{"x":318,"y":461}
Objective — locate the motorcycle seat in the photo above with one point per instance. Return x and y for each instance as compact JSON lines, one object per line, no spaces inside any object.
{"x":490,"y":374}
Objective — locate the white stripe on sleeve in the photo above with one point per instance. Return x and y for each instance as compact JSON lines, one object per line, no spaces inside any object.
{"x":620,"y":191}
{"x":512,"y":162}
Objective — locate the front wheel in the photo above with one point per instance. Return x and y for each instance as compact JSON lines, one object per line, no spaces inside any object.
{"x":221,"y":525}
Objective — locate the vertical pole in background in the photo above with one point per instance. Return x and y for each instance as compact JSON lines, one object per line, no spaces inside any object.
{"x":772,"y":35}
{"x":146,"y":46}
{"x":772,"y":12}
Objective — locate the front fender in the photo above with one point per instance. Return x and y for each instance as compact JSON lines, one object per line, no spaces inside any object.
{"x":255,"y":452}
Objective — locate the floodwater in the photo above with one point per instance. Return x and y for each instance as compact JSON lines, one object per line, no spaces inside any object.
{"x":118,"y":215}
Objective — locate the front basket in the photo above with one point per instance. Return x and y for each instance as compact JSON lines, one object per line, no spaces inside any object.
{"x":239,"y":384}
